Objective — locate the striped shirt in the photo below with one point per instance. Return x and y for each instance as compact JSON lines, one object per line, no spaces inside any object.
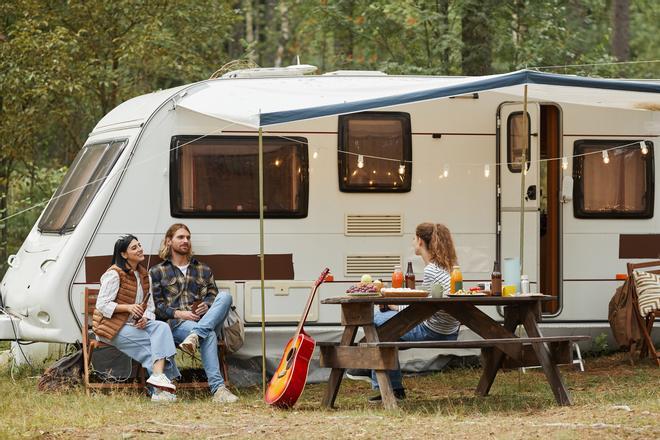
{"x":441,"y":322}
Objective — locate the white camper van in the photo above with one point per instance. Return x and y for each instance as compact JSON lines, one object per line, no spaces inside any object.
{"x":352,"y":163}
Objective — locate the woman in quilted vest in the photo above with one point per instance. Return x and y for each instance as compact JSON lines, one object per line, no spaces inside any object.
{"x":124,"y":317}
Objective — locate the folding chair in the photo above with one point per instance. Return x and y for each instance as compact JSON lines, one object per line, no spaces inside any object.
{"x":89,"y":344}
{"x":645,"y":322}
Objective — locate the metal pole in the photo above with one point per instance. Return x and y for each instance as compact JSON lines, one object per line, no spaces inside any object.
{"x":261,"y":260}
{"x":523,"y":171}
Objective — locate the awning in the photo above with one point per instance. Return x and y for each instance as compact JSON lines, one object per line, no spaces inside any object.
{"x":265,"y":102}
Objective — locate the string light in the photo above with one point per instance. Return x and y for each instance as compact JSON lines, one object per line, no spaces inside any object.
{"x":564,"y":163}
{"x":360,"y":163}
{"x":402,"y":169}
{"x":316,"y":154}
{"x":606,"y":157}
{"x":445,"y":171}
{"x":486,"y":170}
{"x":643,"y":147}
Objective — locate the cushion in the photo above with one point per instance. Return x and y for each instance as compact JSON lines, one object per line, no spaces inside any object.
{"x":648,"y":291}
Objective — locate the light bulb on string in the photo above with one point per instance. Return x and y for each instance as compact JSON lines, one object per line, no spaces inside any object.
{"x":315,"y":155}
{"x":643,"y":147}
{"x":564,"y":163}
{"x":402,"y":169}
{"x":486,"y":170}
{"x":606,"y":157}
{"x":360,"y":163}
{"x":445,"y":171}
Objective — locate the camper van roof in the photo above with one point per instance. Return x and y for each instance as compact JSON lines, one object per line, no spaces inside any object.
{"x":260,"y":102}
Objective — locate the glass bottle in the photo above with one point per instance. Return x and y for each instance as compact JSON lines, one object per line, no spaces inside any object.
{"x":410,"y":277}
{"x":397,"y":277}
{"x":496,"y":280}
{"x":456,"y":280}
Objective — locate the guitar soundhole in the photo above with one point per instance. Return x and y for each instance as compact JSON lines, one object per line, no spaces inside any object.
{"x":289,"y":355}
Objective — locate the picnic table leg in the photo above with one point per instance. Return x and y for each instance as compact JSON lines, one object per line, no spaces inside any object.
{"x":549,"y":366}
{"x":384,"y":383}
{"x":493,"y":358}
{"x":337,"y":374}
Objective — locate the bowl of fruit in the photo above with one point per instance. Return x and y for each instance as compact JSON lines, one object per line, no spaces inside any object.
{"x":366,"y":287}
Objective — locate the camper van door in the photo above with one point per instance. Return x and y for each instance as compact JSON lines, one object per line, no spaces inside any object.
{"x":511,"y":140}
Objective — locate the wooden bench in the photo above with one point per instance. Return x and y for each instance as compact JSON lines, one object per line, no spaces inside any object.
{"x":91,"y":343}
{"x":560,"y":348}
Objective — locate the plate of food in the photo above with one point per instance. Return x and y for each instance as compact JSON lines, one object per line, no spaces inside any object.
{"x":365,"y":289}
{"x":403,"y":292}
{"x":468,"y":293}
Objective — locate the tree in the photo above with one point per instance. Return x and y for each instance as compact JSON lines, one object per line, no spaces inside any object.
{"x":620,"y":29}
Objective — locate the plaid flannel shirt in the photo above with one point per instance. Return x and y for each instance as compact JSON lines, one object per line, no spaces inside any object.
{"x":172,"y":290}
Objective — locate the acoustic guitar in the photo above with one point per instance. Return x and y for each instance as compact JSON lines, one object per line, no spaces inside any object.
{"x":288,"y":382}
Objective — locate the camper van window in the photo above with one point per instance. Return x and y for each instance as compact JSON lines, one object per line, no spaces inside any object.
{"x":365,"y":138}
{"x":622,"y":188}
{"x":81,"y":183}
{"x":515,"y":141}
{"x":218,"y":177}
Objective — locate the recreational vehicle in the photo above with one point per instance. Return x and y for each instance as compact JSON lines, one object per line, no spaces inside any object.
{"x":353,"y":161}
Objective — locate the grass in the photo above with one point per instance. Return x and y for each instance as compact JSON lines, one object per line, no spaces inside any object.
{"x":519,"y":406}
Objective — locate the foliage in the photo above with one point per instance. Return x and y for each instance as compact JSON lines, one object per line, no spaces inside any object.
{"x":65,"y":64}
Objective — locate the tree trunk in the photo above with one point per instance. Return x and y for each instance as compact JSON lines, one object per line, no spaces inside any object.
{"x":621,"y":29}
{"x":249,"y":27}
{"x":443,"y":31}
{"x":284,"y":34}
{"x":476,"y":35}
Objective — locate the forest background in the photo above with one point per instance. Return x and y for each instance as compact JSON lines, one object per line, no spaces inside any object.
{"x":65,"y":64}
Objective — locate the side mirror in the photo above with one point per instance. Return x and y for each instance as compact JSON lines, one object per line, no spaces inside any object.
{"x":567,"y":189}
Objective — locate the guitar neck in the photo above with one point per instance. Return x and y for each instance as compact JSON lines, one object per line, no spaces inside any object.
{"x":310,"y":301}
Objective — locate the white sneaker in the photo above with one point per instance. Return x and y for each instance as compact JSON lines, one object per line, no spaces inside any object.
{"x":223,"y":395}
{"x":162,"y":396}
{"x":161,"y":381}
{"x":190,"y":344}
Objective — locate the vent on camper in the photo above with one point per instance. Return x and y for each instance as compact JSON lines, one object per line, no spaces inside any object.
{"x":356,"y":265}
{"x":373,"y":225}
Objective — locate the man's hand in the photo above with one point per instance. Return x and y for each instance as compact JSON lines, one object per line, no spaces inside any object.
{"x":141,"y":323}
{"x":186,"y":315}
{"x":201,"y":309}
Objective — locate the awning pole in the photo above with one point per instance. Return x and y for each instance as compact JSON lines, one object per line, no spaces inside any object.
{"x":523,"y":171}
{"x":261,"y":260}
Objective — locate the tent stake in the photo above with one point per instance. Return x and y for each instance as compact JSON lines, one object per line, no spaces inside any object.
{"x":261,"y":260}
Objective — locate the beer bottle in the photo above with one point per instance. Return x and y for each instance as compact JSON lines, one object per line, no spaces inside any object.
{"x":496,"y":280}
{"x":410,"y":276}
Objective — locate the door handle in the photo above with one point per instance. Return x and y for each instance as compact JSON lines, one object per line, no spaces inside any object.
{"x":531,"y":193}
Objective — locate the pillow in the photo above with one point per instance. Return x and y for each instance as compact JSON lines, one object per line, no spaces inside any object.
{"x":648,"y":291}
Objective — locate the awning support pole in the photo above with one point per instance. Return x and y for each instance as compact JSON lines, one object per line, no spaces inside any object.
{"x":261,"y":260}
{"x":523,"y":172}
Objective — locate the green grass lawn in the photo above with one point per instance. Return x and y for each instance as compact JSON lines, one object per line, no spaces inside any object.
{"x":438,"y":405}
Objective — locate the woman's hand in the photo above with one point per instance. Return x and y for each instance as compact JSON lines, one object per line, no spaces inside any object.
{"x":141,"y":323}
{"x":136,"y":310}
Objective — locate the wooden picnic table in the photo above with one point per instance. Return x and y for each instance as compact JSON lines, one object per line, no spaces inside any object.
{"x":379,"y":348}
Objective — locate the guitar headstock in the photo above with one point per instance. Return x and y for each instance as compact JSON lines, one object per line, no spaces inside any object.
{"x":321,"y":277}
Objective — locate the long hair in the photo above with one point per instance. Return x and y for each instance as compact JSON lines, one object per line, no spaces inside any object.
{"x":439,"y":243}
{"x":165,"y":251}
{"x":121,"y":245}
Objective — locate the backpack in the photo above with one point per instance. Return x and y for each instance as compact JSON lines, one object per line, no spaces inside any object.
{"x":622,"y":315}
{"x":63,"y":374}
{"x":233,"y":331}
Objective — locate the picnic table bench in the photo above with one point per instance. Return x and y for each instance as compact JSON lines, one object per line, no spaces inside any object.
{"x":500,"y":347}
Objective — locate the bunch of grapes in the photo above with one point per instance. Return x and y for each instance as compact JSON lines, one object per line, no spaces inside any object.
{"x":362,"y":288}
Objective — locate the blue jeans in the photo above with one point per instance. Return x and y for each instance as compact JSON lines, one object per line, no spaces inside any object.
{"x":205,"y":328}
{"x":148,"y":345}
{"x":418,"y":333}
